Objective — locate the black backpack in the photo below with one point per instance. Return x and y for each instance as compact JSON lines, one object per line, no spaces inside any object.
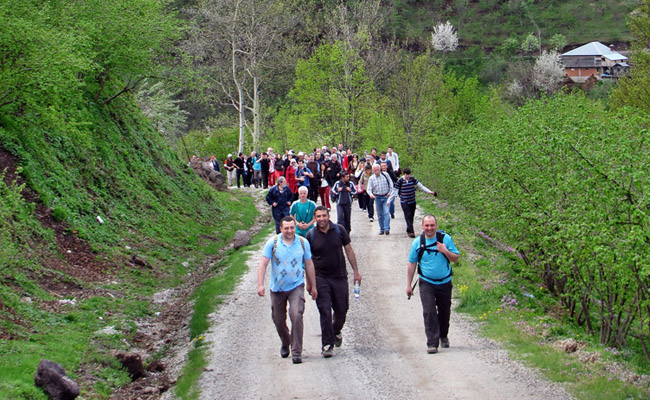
{"x":440,"y":235}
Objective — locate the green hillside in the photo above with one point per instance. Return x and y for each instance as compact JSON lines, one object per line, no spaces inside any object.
{"x":488,"y":23}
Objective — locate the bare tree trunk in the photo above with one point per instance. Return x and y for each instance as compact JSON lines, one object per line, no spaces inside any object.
{"x":242,"y":118}
{"x":256,"y":114}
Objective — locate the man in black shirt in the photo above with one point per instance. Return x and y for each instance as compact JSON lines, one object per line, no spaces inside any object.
{"x":327,"y":242}
{"x":239,"y":163}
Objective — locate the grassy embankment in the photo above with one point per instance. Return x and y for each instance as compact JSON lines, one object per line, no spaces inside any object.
{"x":113,"y":165}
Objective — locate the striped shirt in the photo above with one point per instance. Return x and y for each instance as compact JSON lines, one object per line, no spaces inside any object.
{"x":406,"y":189}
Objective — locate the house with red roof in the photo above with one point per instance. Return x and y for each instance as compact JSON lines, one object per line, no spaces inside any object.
{"x":594,"y":59}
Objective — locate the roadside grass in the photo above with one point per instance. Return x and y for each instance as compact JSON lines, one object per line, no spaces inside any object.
{"x":520,"y":313}
{"x":207,"y":298}
{"x":78,"y":335}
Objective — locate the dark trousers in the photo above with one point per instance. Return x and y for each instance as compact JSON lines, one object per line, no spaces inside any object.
{"x":313,"y":192}
{"x":409,"y":213}
{"x":344,"y":213}
{"x":369,"y":204}
{"x":265,"y":179}
{"x":332,"y":303}
{"x":436,"y":309}
{"x":240,"y":174}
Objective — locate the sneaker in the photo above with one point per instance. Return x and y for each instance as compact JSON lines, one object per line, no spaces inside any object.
{"x":328,"y":351}
{"x":338,"y":340}
{"x":284,"y":351}
{"x":392,"y":216}
{"x":381,"y":232}
{"x":387,"y":232}
{"x":296,"y":360}
{"x":411,"y":234}
{"x":372,"y":219}
{"x":432,"y":350}
{"x":444,"y":342}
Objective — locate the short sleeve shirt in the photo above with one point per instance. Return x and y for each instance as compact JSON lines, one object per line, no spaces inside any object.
{"x":288,"y":265}
{"x":434,"y":265}
{"x":327,"y":250}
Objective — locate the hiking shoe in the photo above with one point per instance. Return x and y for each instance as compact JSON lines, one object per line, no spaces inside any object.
{"x":387,"y":232}
{"x":432,"y":350}
{"x":328,"y":351}
{"x":381,"y":232}
{"x":284,"y":351}
{"x":444,"y":342}
{"x":338,"y":340}
{"x":296,"y":360}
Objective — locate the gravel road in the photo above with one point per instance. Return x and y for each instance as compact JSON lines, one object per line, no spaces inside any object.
{"x":384,"y":347}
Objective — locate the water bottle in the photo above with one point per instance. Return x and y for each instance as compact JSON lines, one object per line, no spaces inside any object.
{"x":357,"y":290}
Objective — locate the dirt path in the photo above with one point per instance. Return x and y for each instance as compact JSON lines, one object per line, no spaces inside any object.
{"x":384,"y":349}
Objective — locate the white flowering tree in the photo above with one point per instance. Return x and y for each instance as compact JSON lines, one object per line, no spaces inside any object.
{"x":444,"y":37}
{"x":548,"y":72}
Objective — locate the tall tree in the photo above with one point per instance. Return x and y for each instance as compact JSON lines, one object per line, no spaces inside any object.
{"x":237,"y":47}
{"x":417,"y":93}
{"x":331,"y":97}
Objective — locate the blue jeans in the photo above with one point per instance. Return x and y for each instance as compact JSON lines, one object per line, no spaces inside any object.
{"x":381,"y":206}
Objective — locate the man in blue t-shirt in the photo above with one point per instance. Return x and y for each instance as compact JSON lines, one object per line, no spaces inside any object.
{"x":435,"y":281}
{"x":290,"y":257}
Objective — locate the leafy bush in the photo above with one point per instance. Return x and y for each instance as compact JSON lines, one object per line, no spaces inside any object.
{"x":566,"y":183}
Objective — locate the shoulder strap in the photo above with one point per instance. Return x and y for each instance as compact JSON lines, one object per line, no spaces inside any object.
{"x":440,"y":235}
{"x":388,"y":180}
{"x":302,"y":243}
{"x":275,"y":246}
{"x":338,"y":232}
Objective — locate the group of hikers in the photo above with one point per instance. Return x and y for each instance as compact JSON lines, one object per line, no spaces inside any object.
{"x":308,"y":250}
{"x":339,"y":176}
